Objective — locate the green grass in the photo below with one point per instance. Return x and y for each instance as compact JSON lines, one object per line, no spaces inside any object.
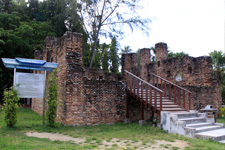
{"x":29,"y":121}
{"x":221,"y":120}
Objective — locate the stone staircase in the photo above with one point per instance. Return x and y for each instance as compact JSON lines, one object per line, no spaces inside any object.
{"x":193,"y":124}
{"x":175,"y":116}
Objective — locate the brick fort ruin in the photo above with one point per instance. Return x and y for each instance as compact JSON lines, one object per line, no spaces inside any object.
{"x":92,"y":96}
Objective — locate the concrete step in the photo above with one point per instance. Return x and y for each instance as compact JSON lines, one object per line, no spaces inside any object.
{"x":216,"y":135}
{"x":223,"y":141}
{"x":168,"y":106}
{"x":187,"y":115}
{"x":207,"y":128}
{"x":202,"y":124}
{"x":193,"y":120}
{"x":172,"y":109}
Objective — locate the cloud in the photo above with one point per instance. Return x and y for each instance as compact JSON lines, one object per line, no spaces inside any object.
{"x":193,"y":26}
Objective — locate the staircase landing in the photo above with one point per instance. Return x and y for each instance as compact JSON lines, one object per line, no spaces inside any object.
{"x":193,"y":124}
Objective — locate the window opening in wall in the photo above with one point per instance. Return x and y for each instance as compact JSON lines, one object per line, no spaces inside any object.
{"x":100,"y":77}
{"x":158,"y":63}
{"x":168,"y":73}
{"x":189,"y":70}
{"x":51,"y":59}
{"x":179,"y":76}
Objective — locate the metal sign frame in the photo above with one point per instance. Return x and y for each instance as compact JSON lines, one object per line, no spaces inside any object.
{"x":31,"y":64}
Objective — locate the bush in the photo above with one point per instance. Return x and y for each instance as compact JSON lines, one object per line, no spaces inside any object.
{"x":222,"y":111}
{"x":52,"y":98}
{"x":10,"y":106}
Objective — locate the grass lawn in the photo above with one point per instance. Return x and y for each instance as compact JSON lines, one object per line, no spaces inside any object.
{"x":29,"y":121}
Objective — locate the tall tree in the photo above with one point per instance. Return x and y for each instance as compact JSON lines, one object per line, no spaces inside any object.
{"x":218,"y":58}
{"x":152,"y":54}
{"x":114,"y":58}
{"x":107,"y":17}
{"x":6,"y":6}
{"x":126,"y":50}
{"x":178,"y":54}
{"x":105,"y":57}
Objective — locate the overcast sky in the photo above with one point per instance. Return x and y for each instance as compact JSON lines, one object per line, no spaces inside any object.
{"x":193,"y":26}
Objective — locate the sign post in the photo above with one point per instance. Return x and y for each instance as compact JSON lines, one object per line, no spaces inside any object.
{"x":30,"y":85}
{"x":43,"y":113}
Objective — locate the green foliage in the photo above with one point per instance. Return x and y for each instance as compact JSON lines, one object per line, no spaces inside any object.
{"x":222,"y":111}
{"x":11,"y":104}
{"x":31,"y":121}
{"x":126,"y":50}
{"x":52,"y":98}
{"x":105,"y":59}
{"x":114,"y":58}
{"x":218,"y":58}
{"x":106,"y":18}
{"x":179,"y":55}
{"x":139,"y":57}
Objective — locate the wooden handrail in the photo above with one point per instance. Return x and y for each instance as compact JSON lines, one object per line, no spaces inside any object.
{"x":144,"y":81}
{"x":177,"y":88}
{"x":133,"y":83}
{"x":171,"y":83}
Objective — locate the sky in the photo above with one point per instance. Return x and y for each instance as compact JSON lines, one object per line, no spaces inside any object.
{"x":195,"y":27}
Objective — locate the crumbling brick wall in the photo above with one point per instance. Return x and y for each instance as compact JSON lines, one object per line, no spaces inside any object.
{"x":194,"y":74}
{"x":86,"y":96}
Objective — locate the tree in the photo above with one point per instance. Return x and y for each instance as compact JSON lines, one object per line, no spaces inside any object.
{"x":52,"y":98}
{"x":107,"y":17}
{"x":152,"y":49}
{"x":11,"y":104}
{"x":178,"y":54}
{"x":105,"y":57}
{"x":126,"y":50}
{"x":6,"y":6}
{"x":114,"y":58}
{"x":218,"y":58}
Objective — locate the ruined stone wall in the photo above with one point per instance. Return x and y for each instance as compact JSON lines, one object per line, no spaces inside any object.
{"x":84,"y":94}
{"x":195,"y":74}
{"x":129,"y":63}
{"x":135,"y":110}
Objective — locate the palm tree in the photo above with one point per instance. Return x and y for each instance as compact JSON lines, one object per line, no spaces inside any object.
{"x":126,"y":50}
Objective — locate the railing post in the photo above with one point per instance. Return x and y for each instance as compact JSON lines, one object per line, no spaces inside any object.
{"x":153,"y":79}
{"x":165,"y":88}
{"x":133,"y":87}
{"x":146,"y":94}
{"x":155,"y":99}
{"x":160,"y":101}
{"x":189,"y":99}
{"x":174,"y":94}
{"x":169,"y":91}
{"x":142,"y":102}
{"x":157,"y":82}
{"x":138,"y":88}
{"x":178,"y":96}
{"x":183,"y":99}
{"x":128,"y":81}
{"x":151,"y":96}
{"x":161,"y":85}
{"x":127,"y":106}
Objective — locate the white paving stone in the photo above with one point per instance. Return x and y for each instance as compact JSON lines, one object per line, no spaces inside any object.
{"x":213,"y":133}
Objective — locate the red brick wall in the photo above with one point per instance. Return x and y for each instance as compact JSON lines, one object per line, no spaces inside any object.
{"x":86,"y":96}
{"x":197,"y":74}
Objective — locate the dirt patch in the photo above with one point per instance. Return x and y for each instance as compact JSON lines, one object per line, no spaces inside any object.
{"x":115,"y":143}
{"x":55,"y":137}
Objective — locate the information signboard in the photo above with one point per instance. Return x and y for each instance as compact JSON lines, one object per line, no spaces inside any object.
{"x":30,"y":85}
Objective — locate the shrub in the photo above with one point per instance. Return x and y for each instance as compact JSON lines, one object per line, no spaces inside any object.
{"x":11,"y":104}
{"x":52,"y":98}
{"x":222,"y":111}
